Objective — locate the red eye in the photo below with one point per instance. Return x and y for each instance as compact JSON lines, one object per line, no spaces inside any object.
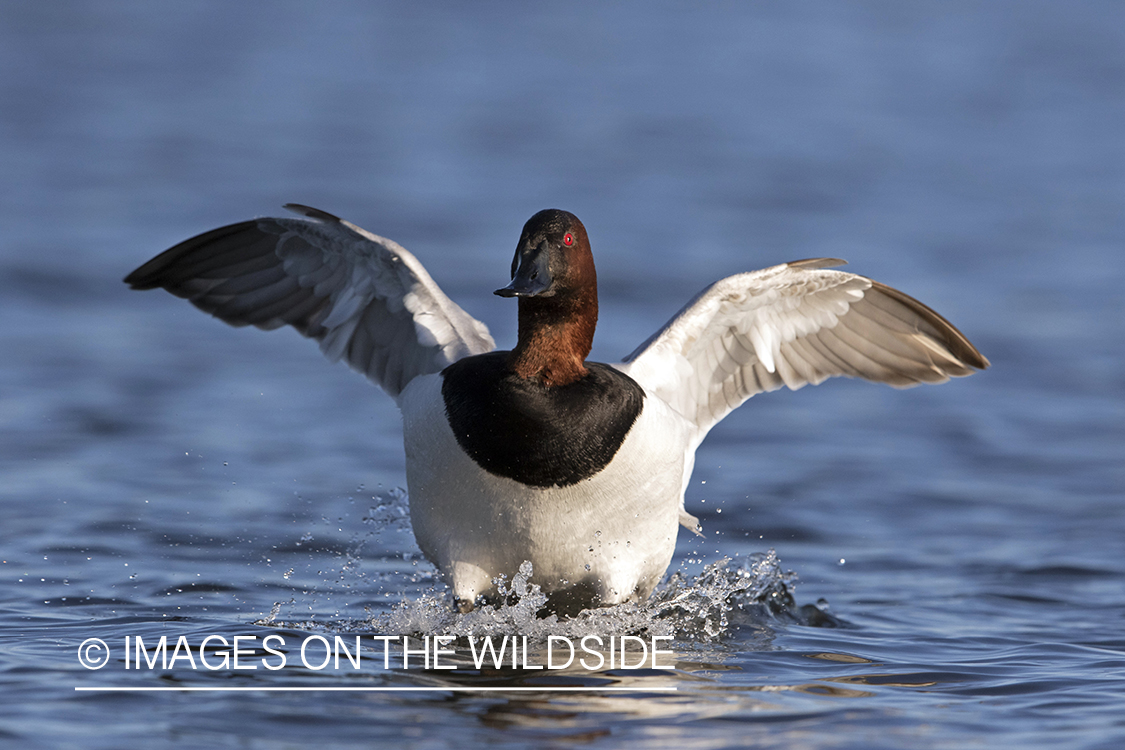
{"x":568,"y":239}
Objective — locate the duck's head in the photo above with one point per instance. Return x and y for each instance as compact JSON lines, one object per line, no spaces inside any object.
{"x":554,"y":279}
{"x":552,"y":258}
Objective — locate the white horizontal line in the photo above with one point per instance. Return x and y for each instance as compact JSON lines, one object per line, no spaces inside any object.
{"x":376,"y":689}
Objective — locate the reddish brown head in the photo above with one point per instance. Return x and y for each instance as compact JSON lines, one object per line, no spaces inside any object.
{"x":554,"y":278}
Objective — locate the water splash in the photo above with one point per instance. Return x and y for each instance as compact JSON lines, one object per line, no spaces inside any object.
{"x":390,"y":511}
{"x":703,"y":606}
{"x":706,"y":607}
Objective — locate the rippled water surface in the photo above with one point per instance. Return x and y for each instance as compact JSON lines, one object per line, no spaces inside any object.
{"x":942,"y":567}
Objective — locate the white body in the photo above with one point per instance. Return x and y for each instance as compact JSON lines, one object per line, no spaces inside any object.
{"x":613,"y":533}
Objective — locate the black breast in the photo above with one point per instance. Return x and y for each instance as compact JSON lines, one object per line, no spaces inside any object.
{"x":533,"y":434}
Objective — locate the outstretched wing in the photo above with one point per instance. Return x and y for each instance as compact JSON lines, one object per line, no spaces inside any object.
{"x":792,"y":325}
{"x":364,"y":298}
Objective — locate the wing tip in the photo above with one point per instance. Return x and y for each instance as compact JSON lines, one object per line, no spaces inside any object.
{"x":156,"y":273}
{"x":139,"y":281}
{"x":152,"y":274}
{"x":956,"y":342}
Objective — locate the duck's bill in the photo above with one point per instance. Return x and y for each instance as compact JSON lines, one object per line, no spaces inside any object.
{"x":531,"y":276}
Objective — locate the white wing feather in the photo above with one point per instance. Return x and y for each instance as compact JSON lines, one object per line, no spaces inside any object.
{"x":791,"y":325}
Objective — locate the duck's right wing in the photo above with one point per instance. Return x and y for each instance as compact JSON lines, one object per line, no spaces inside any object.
{"x":791,"y":325}
{"x":363,"y":297}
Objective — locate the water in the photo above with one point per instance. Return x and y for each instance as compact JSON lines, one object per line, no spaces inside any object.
{"x":957,"y":551}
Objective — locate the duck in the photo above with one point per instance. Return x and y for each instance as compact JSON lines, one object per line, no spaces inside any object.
{"x":536,"y":454}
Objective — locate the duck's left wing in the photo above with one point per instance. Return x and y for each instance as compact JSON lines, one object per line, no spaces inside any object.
{"x":363,"y":297}
{"x":791,"y":325}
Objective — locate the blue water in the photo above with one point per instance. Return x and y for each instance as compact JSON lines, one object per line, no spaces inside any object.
{"x":162,"y":474}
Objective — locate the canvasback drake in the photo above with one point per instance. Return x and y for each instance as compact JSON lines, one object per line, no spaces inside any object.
{"x":536,"y":454}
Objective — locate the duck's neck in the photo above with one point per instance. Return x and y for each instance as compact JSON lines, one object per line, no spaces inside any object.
{"x":555,"y":335}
